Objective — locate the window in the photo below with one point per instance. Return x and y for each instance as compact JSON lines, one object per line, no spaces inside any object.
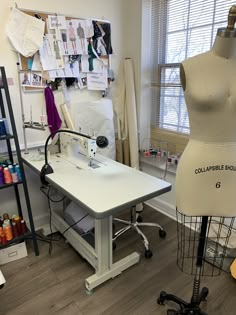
{"x":179,"y":29}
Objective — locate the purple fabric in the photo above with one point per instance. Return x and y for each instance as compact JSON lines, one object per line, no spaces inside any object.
{"x":54,"y":120}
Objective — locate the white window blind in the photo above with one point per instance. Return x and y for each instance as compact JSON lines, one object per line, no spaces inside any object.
{"x":179,"y":29}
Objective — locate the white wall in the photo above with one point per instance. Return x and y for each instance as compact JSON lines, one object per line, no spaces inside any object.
{"x":137,"y":47}
{"x":137,"y":42}
{"x":111,"y":10}
{"x":129,"y":39}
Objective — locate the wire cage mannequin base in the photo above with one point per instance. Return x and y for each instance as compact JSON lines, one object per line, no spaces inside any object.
{"x":202,"y":245}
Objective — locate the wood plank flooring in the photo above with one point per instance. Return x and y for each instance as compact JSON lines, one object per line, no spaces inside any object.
{"x":54,"y":284}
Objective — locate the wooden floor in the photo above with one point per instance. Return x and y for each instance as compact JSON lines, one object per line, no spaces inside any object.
{"x":55,"y":284}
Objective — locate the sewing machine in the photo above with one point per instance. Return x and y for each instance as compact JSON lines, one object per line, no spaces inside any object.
{"x":75,"y":145}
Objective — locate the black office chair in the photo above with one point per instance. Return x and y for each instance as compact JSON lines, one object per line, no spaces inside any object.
{"x":135,"y":223}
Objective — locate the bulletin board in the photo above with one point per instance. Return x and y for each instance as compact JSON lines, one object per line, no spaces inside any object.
{"x":103,"y":55}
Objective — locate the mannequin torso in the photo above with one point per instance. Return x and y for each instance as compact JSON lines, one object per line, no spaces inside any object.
{"x":206,"y":175}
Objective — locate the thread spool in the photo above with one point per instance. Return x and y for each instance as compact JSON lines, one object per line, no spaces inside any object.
{"x":8,"y":233}
{"x":18,"y":172}
{"x":6,"y":216}
{"x":7,"y":176}
{"x":1,"y":176}
{"x":11,"y":169}
{"x":3,"y":239}
{"x":14,"y":177}
{"x":17,"y":220}
{"x":15,"y":231}
{"x":23,"y":227}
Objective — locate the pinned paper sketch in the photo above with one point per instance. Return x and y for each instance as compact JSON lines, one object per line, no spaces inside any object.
{"x":71,"y":68}
{"x":84,"y":64}
{"x":73,"y":48}
{"x":57,"y":26}
{"x":88,"y":27}
{"x":81,"y":33}
{"x":97,"y":81}
{"x":56,"y":23}
{"x":32,"y":79}
{"x":36,"y":79}
{"x":102,"y":38}
{"x":25,"y":78}
{"x":64,"y":38}
{"x":50,"y":53}
{"x":36,"y":64}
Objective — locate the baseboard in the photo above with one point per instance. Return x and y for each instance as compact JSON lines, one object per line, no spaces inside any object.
{"x":163,"y":207}
{"x":40,"y":221}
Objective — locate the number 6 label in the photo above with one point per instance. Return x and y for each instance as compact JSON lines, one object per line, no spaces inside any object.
{"x":218,"y":184}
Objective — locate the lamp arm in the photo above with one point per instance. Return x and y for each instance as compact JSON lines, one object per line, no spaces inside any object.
{"x":60,"y":131}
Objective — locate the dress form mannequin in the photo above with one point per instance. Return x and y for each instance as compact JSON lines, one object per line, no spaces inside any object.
{"x":206,"y":175}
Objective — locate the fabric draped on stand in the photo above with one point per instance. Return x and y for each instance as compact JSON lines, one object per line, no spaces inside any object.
{"x":54,"y":120}
{"x":127,"y":146}
{"x":125,"y":108}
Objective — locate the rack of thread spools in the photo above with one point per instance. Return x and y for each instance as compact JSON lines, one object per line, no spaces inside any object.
{"x":12,"y":229}
{"x":160,"y":154}
{"x":12,"y":174}
{"x":9,"y":173}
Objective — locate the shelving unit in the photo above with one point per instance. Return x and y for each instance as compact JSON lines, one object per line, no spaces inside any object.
{"x":8,"y":138}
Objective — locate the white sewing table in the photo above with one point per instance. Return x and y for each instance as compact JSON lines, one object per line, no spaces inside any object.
{"x":103,"y":190}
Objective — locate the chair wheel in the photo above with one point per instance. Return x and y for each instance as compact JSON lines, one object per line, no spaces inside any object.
{"x":160,"y":302}
{"x":139,"y":219}
{"x":162,"y":233}
{"x":148,"y":253}
{"x":204,"y":293}
{"x":162,"y":298}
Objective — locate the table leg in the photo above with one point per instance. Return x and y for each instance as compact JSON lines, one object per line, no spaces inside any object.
{"x":105,"y":269}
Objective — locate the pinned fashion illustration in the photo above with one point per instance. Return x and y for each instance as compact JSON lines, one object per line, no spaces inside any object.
{"x":72,"y":37}
{"x":81,"y":35}
{"x":64,"y":41}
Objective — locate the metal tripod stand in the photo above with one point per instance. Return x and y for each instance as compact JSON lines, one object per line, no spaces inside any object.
{"x":192,"y":308}
{"x":194,"y":236}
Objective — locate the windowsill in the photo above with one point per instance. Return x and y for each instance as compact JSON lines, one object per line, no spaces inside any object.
{"x":158,"y":164}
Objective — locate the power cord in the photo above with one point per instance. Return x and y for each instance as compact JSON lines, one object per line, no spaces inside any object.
{"x":51,"y":239}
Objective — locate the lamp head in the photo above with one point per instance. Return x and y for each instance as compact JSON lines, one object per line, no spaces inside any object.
{"x":46,"y":169}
